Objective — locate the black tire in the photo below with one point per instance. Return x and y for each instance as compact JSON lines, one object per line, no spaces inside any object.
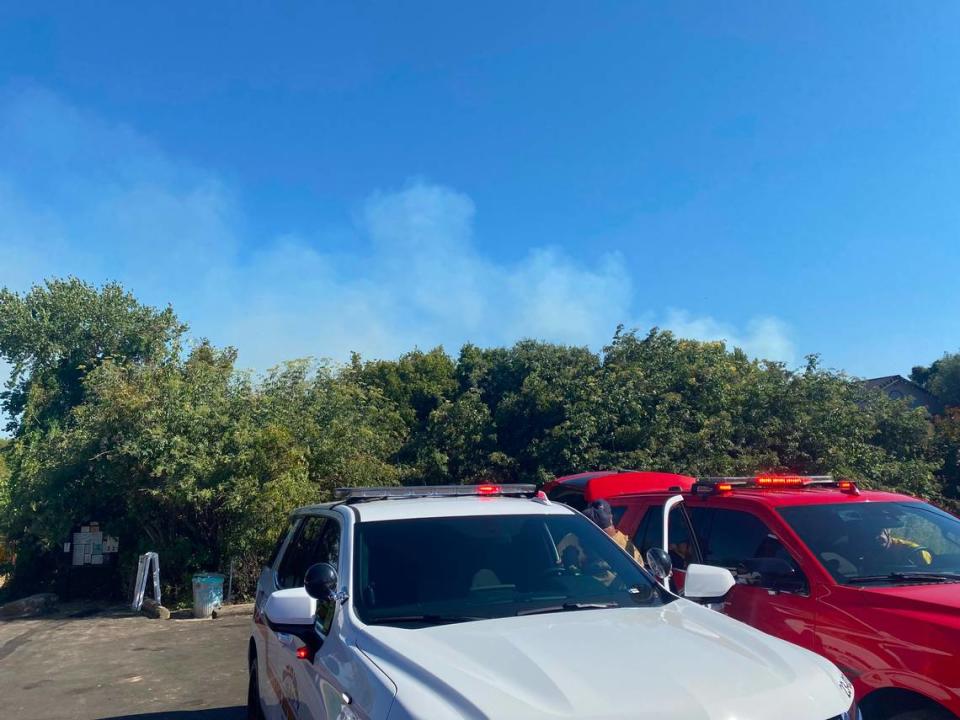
{"x":254,"y":707}
{"x":923,"y":714}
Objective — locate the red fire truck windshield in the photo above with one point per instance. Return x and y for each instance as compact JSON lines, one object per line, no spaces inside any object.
{"x":882,"y":543}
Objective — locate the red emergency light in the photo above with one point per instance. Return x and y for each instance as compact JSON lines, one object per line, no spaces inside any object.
{"x":848,"y":486}
{"x":780,"y":481}
{"x":488,"y":489}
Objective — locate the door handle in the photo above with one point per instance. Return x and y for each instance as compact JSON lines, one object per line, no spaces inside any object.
{"x":285,"y":639}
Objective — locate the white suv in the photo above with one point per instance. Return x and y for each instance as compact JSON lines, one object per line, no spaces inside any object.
{"x":491,"y":602}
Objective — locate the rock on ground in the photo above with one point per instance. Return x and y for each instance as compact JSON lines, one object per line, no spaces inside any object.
{"x":29,"y":606}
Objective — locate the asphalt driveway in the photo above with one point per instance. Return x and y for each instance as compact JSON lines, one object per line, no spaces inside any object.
{"x":112,"y":665}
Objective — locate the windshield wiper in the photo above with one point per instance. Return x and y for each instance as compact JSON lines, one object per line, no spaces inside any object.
{"x":905,"y":577}
{"x":427,"y":619}
{"x":568,"y":606}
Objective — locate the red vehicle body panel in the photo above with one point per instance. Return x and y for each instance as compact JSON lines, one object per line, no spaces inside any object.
{"x":605,"y":484}
{"x":905,"y":637}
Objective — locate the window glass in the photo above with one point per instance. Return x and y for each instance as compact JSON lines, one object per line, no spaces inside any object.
{"x":702,"y":519}
{"x":571,"y":498}
{"x":276,"y":548}
{"x":771,"y":547}
{"x":328,"y":547}
{"x":679,"y":539}
{"x":734,"y":536}
{"x":650,"y":532}
{"x":451,"y":569}
{"x":738,"y":540}
{"x":301,"y":552}
{"x":876,"y":542}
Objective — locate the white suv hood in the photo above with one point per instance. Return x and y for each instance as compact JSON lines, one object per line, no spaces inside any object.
{"x":678,"y":662}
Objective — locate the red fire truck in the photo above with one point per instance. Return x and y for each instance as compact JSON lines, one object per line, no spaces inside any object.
{"x":869,"y":579}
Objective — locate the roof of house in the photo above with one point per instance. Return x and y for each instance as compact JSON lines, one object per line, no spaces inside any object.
{"x":887,"y":382}
{"x":883,"y":382}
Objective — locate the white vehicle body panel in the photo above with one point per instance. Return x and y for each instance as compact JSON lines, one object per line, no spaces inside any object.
{"x":259,"y":644}
{"x":681,"y":662}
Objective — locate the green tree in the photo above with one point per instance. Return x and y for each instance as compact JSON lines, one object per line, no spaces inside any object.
{"x":56,"y":333}
{"x":699,"y":408}
{"x":193,"y":460}
{"x":461,"y":443}
{"x":4,"y":476}
{"x":941,"y":377}
{"x":947,"y":439}
{"x":539,"y":396}
{"x":5,"y":565}
{"x":416,"y":384}
{"x":4,"y":447}
{"x":668,"y":403}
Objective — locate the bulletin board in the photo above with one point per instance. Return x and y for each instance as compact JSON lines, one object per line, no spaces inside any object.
{"x":90,"y":546}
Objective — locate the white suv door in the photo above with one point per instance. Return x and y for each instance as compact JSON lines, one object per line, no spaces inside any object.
{"x":267,"y":680}
{"x":305,"y":686}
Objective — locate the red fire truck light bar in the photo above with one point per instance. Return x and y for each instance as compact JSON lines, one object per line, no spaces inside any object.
{"x":772,"y":482}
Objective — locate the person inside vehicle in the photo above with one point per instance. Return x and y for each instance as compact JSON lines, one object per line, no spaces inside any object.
{"x":601,"y":514}
{"x":877,"y":548}
{"x":908,"y":551}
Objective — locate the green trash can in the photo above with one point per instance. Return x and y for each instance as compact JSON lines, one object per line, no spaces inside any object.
{"x":207,"y":594}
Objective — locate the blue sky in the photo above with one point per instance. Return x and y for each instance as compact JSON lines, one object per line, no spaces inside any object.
{"x":315,"y":178}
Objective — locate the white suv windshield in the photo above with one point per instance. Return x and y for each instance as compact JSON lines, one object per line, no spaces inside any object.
{"x":454,"y":569}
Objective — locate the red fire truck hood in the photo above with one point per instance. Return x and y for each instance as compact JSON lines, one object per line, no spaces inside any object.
{"x":937,"y":603}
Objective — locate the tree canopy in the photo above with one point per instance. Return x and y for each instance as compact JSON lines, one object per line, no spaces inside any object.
{"x":942,"y":378}
{"x":116,"y":417}
{"x":58,"y":332}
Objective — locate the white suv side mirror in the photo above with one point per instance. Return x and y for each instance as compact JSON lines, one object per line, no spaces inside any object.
{"x":707,"y":584}
{"x":291,"y":607}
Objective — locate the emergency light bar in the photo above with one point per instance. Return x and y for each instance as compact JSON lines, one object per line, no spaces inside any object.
{"x":426,"y":491}
{"x":775,"y":482}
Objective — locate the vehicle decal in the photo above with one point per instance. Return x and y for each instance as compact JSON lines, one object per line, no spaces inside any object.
{"x":288,"y":710}
{"x":291,"y":692}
